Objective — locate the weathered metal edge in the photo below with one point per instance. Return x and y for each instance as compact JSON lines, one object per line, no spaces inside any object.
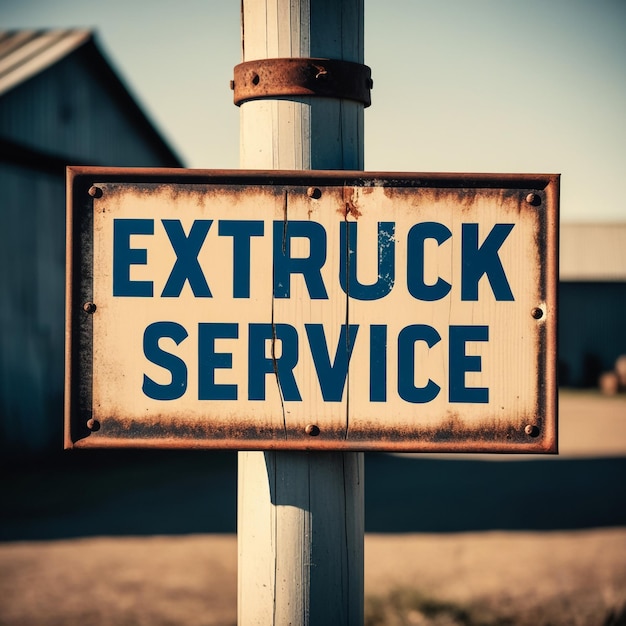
{"x":552,"y":283}
{"x":547,"y":443}
{"x":68,"y":406}
{"x":78,"y":323}
{"x":319,"y":446}
{"x":322,"y":177}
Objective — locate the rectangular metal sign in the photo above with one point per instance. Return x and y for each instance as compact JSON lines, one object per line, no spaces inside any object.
{"x":311,"y":310}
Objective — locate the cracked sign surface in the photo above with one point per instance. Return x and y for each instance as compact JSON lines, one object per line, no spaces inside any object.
{"x":311,"y":310}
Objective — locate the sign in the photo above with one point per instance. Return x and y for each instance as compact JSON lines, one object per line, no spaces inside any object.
{"x":311,"y":310}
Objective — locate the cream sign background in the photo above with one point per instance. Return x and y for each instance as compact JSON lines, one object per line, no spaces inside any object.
{"x":315,"y":312}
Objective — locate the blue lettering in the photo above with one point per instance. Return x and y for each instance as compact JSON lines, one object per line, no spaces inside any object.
{"x":406,"y":363}
{"x":378,"y":363}
{"x":459,"y":363}
{"x":415,"y":262}
{"x":259,"y":365}
{"x":124,"y":256}
{"x":386,"y":262}
{"x":332,"y":378}
{"x":310,"y":267}
{"x":186,"y":266}
{"x":241,"y":231}
{"x":176,"y":366}
{"x":209,"y":361}
{"x":484,"y":259}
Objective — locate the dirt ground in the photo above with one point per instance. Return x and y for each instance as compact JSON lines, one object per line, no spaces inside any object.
{"x":573,"y":578}
{"x":492,"y":576}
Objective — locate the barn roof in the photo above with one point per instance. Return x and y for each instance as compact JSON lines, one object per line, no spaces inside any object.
{"x":26,"y":53}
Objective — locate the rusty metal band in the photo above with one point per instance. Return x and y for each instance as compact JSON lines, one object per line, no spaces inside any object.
{"x":328,"y":78}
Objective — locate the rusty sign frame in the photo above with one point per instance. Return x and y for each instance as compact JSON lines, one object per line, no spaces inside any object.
{"x":85,"y":428}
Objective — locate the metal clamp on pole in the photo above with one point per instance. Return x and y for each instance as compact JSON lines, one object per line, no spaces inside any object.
{"x":328,"y":78}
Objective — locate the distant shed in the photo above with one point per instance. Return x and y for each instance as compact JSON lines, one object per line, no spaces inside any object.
{"x":592,"y":300}
{"x":61,"y":103}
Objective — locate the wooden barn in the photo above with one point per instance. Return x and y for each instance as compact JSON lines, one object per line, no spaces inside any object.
{"x":61,"y":103}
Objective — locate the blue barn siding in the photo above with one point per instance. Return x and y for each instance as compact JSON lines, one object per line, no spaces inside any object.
{"x":592,"y":330}
{"x":32,"y":279}
{"x":75,"y":112}
{"x":67,"y":111}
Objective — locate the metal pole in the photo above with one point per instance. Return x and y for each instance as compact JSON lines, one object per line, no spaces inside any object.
{"x":300,"y":515}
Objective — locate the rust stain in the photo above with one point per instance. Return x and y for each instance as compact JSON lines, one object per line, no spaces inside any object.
{"x":350,"y":206}
{"x":332,"y":78}
{"x":352,"y":209}
{"x":451,"y":435}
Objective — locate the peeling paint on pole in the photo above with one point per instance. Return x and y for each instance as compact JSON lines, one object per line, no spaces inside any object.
{"x":312,"y":310}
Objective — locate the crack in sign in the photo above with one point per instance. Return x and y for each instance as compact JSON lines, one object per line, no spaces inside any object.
{"x":274,"y":360}
{"x":350,"y":208}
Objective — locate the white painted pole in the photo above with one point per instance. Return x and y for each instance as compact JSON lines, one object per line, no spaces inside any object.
{"x":300,"y":515}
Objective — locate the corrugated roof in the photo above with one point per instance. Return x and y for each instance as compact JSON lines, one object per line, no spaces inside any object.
{"x":593,"y":252}
{"x":25,"y":53}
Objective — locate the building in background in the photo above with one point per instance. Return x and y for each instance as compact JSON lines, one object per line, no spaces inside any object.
{"x":61,"y":103}
{"x":592,"y":301}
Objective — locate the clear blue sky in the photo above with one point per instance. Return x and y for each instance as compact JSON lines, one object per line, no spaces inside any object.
{"x":459,"y":85}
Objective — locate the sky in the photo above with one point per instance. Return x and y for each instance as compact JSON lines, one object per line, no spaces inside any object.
{"x":516,"y":86}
